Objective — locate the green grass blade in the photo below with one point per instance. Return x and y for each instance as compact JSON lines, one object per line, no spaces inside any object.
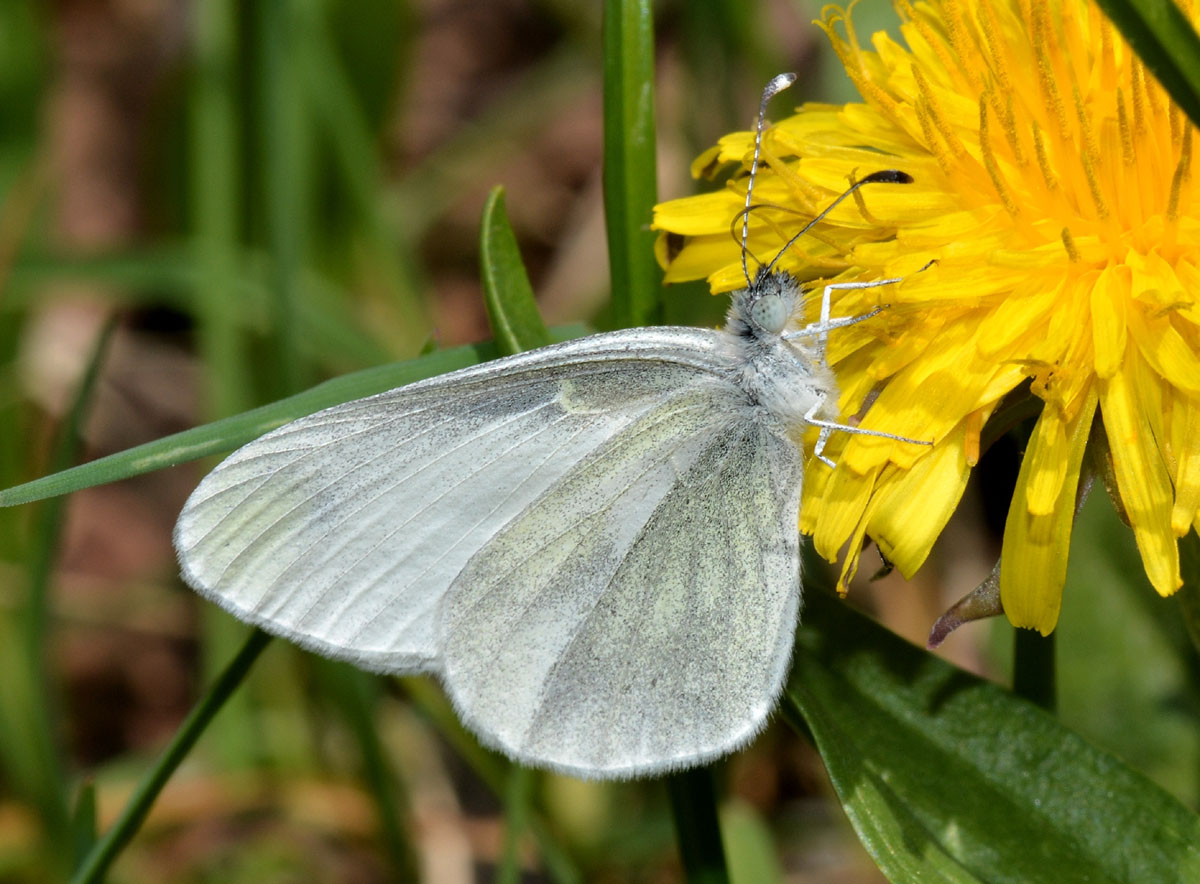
{"x":215,"y":173}
{"x":948,"y":778}
{"x":492,"y":770}
{"x":512,"y":310}
{"x":229,"y":433}
{"x":170,"y":274}
{"x":96,"y":864}
{"x":630,"y":177}
{"x":83,"y":821}
{"x":345,"y":128}
{"x":44,"y":758}
{"x":468,"y":159}
{"x":1164,"y":39}
{"x":721,"y":41}
{"x":750,"y":848}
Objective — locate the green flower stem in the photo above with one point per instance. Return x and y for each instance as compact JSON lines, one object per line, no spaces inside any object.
{"x":1189,"y":593}
{"x":283,"y":151}
{"x":694,"y":807}
{"x":630,"y":182}
{"x":1189,"y":609}
{"x":96,"y":864}
{"x":1033,"y":668}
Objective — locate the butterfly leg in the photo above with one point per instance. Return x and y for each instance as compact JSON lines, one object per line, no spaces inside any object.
{"x":822,"y":327}
{"x":820,"y":330}
{"x":828,"y":427}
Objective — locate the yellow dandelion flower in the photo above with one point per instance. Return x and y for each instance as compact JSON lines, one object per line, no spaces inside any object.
{"x":1053,"y":190}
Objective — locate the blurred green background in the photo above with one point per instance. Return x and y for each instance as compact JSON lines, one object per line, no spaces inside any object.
{"x":258,"y":196}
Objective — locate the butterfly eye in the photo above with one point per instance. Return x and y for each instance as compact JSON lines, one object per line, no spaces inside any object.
{"x":769,"y":313}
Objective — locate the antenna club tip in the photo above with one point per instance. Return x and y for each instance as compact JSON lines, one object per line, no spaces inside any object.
{"x":887,"y":176}
{"x":778,"y":83}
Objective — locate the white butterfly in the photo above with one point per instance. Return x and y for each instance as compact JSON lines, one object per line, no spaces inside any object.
{"x":593,"y":545}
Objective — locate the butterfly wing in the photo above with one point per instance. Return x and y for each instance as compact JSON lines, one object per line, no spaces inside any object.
{"x":639,"y":616}
{"x":343,"y":530}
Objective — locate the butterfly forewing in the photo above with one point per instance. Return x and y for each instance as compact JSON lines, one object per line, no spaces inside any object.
{"x":344,"y":529}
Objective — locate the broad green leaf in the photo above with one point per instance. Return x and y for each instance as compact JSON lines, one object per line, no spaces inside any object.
{"x":630,"y":177}
{"x":1161,"y":35}
{"x":512,"y":310}
{"x":949,"y":778}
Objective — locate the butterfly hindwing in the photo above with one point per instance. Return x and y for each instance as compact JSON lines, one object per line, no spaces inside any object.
{"x":639,"y":617}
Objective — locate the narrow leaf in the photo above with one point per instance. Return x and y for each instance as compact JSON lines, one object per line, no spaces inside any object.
{"x":947,"y":777}
{"x":83,"y":821}
{"x":1034,"y":675}
{"x":512,"y":310}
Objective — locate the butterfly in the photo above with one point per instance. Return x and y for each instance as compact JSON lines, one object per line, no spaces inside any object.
{"x":592,"y":545}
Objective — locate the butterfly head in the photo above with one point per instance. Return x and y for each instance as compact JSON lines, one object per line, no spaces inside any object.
{"x":770,"y":312}
{"x":765,"y":307}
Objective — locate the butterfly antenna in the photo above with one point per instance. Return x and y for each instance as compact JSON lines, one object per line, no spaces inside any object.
{"x":887,"y":176}
{"x":777,"y":85}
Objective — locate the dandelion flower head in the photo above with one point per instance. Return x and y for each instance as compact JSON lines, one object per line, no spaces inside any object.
{"x":1053,"y":191}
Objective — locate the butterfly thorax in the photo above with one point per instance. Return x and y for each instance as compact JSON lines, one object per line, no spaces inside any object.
{"x":786,"y":378}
